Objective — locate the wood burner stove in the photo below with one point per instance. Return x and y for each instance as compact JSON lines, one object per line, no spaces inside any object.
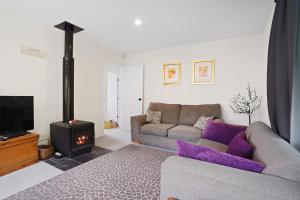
{"x":72,"y":139}
{"x":76,"y":138}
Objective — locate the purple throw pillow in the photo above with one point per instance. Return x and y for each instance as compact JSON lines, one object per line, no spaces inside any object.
{"x":221,"y":132}
{"x":189,"y":150}
{"x":239,"y":146}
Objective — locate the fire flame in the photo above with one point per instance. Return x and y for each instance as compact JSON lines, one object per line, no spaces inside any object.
{"x":82,"y":139}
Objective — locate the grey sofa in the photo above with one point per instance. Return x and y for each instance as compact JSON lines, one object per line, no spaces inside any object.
{"x":189,"y":179}
{"x":176,"y":123}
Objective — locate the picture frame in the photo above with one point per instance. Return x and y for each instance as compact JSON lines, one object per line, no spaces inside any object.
{"x":171,"y":73}
{"x":203,"y":72}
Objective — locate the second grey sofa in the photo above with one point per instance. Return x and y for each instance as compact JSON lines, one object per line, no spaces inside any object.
{"x":188,"y":179}
{"x":176,"y":123}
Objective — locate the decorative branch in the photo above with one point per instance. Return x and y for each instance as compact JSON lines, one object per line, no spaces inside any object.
{"x":246,"y":104}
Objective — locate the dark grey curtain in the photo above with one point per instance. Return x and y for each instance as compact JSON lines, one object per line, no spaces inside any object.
{"x":281,"y":65}
{"x":295,"y":119}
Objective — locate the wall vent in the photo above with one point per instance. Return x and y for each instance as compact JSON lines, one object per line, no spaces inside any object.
{"x":30,"y":51}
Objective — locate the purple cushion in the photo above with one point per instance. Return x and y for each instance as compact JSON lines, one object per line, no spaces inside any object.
{"x":189,"y":150}
{"x":221,"y":132}
{"x":239,"y":146}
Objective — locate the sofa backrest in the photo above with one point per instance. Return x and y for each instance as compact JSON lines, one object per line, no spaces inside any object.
{"x":170,"y":112}
{"x":189,"y":114}
{"x":185,"y":114}
{"x":280,"y":158}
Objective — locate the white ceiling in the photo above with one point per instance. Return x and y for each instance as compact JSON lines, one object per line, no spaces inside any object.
{"x":166,"y":23}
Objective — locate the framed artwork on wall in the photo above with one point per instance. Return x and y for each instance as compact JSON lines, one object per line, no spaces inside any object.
{"x":172,"y":73}
{"x":203,"y":71}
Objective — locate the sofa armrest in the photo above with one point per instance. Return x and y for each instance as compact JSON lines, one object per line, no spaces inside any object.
{"x":188,"y":179}
{"x":136,"y":122}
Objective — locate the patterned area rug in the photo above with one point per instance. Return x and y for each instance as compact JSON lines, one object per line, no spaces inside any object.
{"x":132,"y":172}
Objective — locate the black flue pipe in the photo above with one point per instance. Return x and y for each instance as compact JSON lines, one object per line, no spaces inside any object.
{"x":68,"y":70}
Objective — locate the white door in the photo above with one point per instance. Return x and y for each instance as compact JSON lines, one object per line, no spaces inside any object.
{"x":112,"y":97}
{"x":131,"y":94}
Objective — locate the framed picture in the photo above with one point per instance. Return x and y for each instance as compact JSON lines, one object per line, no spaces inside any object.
{"x":172,"y":73}
{"x":203,"y":71}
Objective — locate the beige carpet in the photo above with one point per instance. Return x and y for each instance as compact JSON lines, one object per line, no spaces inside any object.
{"x":113,"y":139}
{"x":27,"y":177}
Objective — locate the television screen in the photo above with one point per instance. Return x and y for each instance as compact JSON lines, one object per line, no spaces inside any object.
{"x":16,"y":114}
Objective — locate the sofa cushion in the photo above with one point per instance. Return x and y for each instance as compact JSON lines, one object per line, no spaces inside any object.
{"x":221,"y":132}
{"x":207,"y":154}
{"x":189,"y":114}
{"x":201,"y":122}
{"x":184,"y":132}
{"x":214,"y":145}
{"x":153,"y":117}
{"x":239,"y":146}
{"x":157,"y":129}
{"x":281,"y":159}
{"x":170,"y":112}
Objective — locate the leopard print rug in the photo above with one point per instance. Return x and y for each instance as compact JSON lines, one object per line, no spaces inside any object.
{"x":132,"y":172}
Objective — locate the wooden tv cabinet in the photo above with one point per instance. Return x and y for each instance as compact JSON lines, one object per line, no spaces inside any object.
{"x":18,"y":152}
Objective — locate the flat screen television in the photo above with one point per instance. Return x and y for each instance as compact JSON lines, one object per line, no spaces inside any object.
{"x":16,"y":115}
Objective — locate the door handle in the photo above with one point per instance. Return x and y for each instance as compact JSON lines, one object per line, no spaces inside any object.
{"x":140,"y":99}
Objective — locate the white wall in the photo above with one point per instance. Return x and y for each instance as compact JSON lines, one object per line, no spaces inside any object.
{"x":91,"y":63}
{"x":42,"y":78}
{"x":237,"y":61}
{"x":25,"y":75}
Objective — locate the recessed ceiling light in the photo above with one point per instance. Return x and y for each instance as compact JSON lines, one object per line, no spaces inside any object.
{"x":138,"y":22}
